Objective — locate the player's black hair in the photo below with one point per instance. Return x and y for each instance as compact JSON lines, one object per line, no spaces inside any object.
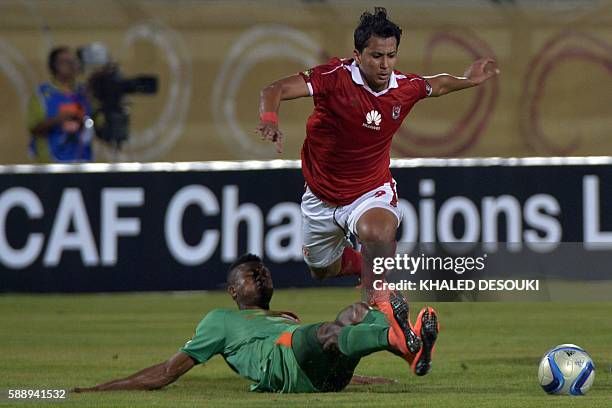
{"x":375,"y":24}
{"x":53,"y":56}
{"x":242,"y":260}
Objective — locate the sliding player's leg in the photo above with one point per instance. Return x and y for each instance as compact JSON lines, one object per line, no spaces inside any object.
{"x":328,"y":353}
{"x":330,"y":366}
{"x":381,"y":330}
{"x":387,"y":328}
{"x":315,"y":349}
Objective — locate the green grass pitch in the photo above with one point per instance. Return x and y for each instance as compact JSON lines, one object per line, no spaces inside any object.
{"x":487,"y":354}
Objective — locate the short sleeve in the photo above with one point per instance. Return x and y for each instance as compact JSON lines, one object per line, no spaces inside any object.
{"x":420,"y":85}
{"x":36,"y":112}
{"x":209,"y":338}
{"x":322,"y":78}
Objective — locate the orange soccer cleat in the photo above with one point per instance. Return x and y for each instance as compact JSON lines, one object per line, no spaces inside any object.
{"x":402,"y":338}
{"x":427,"y":326}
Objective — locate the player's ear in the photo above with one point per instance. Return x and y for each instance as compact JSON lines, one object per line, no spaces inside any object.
{"x":357,"y":56}
{"x":232,"y":292}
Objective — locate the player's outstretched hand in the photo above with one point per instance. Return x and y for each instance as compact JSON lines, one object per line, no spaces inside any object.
{"x":481,"y":70}
{"x":79,"y":390}
{"x":270,"y":131}
{"x":367,"y":380}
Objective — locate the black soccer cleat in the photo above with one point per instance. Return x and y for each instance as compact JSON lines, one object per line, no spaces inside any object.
{"x":428,"y":327}
{"x":400,"y":308}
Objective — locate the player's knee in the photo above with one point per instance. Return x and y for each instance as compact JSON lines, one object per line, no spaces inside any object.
{"x":377,"y":225}
{"x":325,"y":272}
{"x":328,"y":334}
{"x":352,"y":314}
{"x":318,"y":273}
{"x":371,"y":232}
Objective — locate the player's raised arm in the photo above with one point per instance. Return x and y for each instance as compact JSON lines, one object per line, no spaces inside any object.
{"x":291,"y":87}
{"x":151,"y":378}
{"x":480,"y":71}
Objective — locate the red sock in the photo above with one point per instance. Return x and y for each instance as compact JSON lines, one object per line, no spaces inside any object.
{"x":351,"y":262}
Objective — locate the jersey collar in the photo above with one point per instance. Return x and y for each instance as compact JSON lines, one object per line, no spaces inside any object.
{"x":60,"y":87}
{"x":358,"y":79}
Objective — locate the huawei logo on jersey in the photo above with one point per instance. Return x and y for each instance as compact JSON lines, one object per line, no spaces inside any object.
{"x":373,"y":120}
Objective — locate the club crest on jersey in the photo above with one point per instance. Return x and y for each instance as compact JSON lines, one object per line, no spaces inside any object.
{"x":373,"y":119}
{"x":396,"y":112}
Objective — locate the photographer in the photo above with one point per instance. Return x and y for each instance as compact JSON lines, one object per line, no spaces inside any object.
{"x":58,"y":113}
{"x":108,"y":89}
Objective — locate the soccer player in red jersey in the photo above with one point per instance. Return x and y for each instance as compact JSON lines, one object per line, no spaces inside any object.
{"x":359,"y":104}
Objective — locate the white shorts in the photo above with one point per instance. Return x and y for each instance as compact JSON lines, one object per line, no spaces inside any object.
{"x":326,"y":228}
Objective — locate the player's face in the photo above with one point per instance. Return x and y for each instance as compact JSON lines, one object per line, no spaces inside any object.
{"x":66,"y":65}
{"x":253,"y":285}
{"x":377,"y":61}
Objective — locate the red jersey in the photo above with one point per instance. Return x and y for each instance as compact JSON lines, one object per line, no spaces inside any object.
{"x":347,"y":150}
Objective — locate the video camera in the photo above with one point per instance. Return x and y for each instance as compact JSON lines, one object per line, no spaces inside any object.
{"x":109,"y":87}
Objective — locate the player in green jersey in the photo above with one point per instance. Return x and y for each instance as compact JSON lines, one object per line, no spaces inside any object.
{"x":279,"y":354}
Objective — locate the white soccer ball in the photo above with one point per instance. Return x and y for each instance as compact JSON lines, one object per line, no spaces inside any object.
{"x":566,"y":369}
